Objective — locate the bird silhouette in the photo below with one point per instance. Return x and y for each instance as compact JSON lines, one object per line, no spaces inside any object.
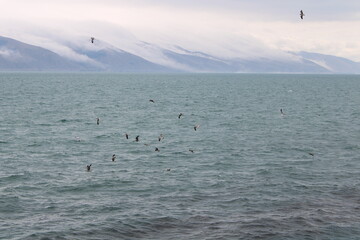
{"x":302,"y":14}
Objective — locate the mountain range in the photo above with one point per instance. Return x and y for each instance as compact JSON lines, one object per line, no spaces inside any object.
{"x":103,"y":57}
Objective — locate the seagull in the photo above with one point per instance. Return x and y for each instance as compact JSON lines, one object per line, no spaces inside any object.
{"x":88,"y":167}
{"x":311,"y":154}
{"x":180,"y":115}
{"x":161,"y":137}
{"x":157,"y":150}
{"x":151,"y":101}
{"x":169,"y":169}
{"x":281,"y":111}
{"x":302,"y":14}
{"x":191,"y":150}
{"x":127,"y":136}
{"x":113,"y":158}
{"x":137,"y":138}
{"x":92,"y":39}
{"x":196,"y":127}
{"x":97,"y":121}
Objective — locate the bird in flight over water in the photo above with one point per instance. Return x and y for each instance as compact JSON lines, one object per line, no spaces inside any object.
{"x":302,"y":14}
{"x":92,"y":39}
{"x":151,"y":101}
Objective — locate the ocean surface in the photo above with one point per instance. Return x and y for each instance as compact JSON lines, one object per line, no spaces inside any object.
{"x":254,"y":173}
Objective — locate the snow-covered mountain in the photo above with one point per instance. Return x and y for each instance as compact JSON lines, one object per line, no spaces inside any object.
{"x":104,"y":57}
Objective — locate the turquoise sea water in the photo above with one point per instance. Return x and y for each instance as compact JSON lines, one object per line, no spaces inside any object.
{"x":250,"y":176}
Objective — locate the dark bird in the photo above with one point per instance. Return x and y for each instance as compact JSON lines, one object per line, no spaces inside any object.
{"x":113,"y":158}
{"x":196,"y":127}
{"x":151,"y":101}
{"x":169,"y":169}
{"x":190,"y":150}
{"x":92,"y":39}
{"x":97,"y":121}
{"x":180,"y":115}
{"x":127,"y":136}
{"x":311,"y":154}
{"x":157,"y":150}
{"x":302,"y":14}
{"x":88,"y":167}
{"x":137,"y":138}
{"x":281,"y":111}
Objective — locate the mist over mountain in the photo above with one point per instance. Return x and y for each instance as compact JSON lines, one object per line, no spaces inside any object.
{"x":101,"y":56}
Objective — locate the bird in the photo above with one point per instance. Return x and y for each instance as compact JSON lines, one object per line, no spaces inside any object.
{"x":281,"y":111}
{"x":196,"y":127}
{"x":113,"y":158}
{"x":160,"y":137}
{"x":302,"y":14}
{"x":311,"y":154}
{"x":190,"y":150}
{"x":127,"y":136}
{"x":151,"y":101}
{"x":88,"y":167}
{"x":157,"y":149}
{"x":97,"y":121}
{"x":137,"y":138}
{"x":180,"y":115}
{"x":92,"y":39}
{"x":168,"y":169}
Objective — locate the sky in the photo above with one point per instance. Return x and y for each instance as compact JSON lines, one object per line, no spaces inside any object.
{"x":225,"y":28}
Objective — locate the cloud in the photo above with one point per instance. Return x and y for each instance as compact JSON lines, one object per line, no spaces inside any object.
{"x":10,"y":54}
{"x":229,"y":28}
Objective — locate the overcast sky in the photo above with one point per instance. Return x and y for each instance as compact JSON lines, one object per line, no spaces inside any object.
{"x":245,"y":28}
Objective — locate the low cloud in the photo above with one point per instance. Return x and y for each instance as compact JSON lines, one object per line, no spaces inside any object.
{"x":11,"y":55}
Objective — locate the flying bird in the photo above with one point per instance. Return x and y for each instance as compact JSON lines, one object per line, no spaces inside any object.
{"x":180,"y":115}
{"x":92,"y":39}
{"x":137,"y":138}
{"x":302,"y":14}
{"x":190,"y":150}
{"x":97,"y":121}
{"x":113,"y":158}
{"x":151,"y":101}
{"x":161,"y":137}
{"x":196,"y":127}
{"x":88,"y":167}
{"x":127,"y":136}
{"x":157,"y":149}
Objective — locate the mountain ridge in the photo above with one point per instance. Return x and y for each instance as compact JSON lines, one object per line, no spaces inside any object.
{"x":104,"y":57}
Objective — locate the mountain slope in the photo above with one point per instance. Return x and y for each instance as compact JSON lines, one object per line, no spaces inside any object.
{"x":103,"y":57}
{"x":113,"y":59}
{"x":332,"y":63}
{"x":18,"y":56}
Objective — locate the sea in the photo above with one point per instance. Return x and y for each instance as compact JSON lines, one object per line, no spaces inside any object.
{"x":247,"y":171}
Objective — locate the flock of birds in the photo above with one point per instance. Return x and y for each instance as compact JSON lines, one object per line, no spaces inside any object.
{"x":88,"y":167}
{"x":160,"y":138}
